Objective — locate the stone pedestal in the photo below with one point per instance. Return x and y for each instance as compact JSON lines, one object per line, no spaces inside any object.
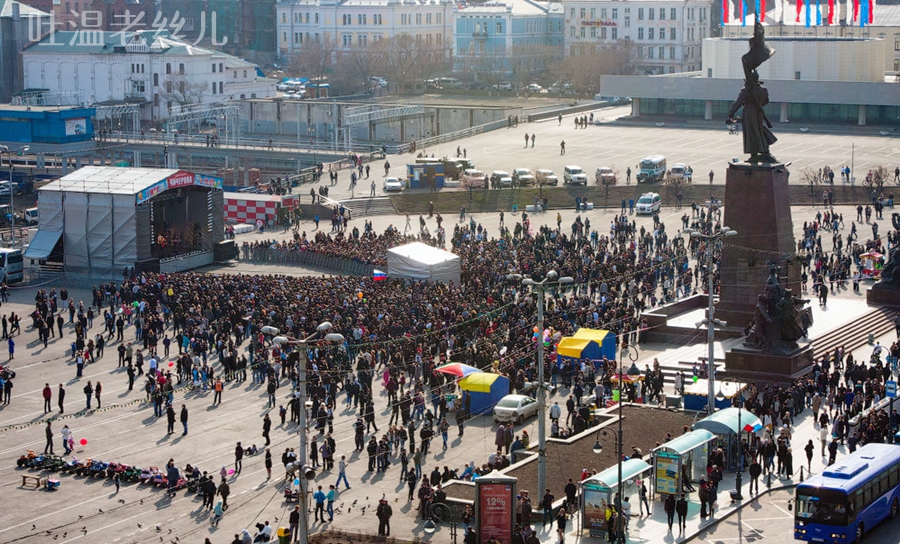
{"x":756,"y":364}
{"x":758,"y":207}
{"x":883,"y":297}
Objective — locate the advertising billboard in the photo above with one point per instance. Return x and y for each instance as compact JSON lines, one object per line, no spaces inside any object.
{"x":667,"y":472}
{"x":496,"y":511}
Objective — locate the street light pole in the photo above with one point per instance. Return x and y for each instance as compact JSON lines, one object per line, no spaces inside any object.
{"x":303,"y":349}
{"x":711,"y":240}
{"x":633,"y":371}
{"x":540,"y":288}
{"x":12,"y":190}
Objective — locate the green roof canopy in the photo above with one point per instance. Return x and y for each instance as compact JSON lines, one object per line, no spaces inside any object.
{"x":726,"y":421}
{"x":609,"y":478}
{"x":686,"y":442}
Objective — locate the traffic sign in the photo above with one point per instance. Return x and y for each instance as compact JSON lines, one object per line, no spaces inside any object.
{"x":890,"y":388}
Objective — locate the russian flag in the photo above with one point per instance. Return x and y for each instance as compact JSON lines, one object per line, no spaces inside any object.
{"x":378,"y":275}
{"x":748,"y":428}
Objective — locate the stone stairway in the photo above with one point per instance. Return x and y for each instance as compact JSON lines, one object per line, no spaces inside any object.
{"x":365,"y":207}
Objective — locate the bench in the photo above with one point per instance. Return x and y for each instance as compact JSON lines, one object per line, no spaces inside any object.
{"x":31,"y":480}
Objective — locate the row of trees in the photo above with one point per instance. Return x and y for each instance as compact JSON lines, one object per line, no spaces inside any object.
{"x":402,"y":60}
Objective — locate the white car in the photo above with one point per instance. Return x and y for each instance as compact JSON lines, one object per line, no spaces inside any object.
{"x":574,"y":175}
{"x":648,"y":203}
{"x":534,"y":88}
{"x":502,"y":86}
{"x":515,"y":408}
{"x":392,"y":184}
{"x":499,"y":178}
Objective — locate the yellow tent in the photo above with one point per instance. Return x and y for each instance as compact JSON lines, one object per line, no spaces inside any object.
{"x":572,"y":347}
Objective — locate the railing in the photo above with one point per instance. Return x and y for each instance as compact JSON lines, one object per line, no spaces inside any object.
{"x":450,"y":136}
{"x":199,"y":140}
{"x":311,"y":259}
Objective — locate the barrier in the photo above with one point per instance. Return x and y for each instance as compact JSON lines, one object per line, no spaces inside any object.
{"x":311,"y":259}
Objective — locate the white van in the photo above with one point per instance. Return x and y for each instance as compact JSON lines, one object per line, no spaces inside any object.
{"x":648,"y":203}
{"x":31,"y":216}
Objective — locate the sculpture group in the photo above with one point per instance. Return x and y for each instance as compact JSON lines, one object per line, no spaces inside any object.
{"x":780,"y":318}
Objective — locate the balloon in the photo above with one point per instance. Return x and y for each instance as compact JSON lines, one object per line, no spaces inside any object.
{"x":172,"y":364}
{"x":231,"y":471}
{"x":296,"y":481}
{"x":83,"y":442}
{"x":359,"y":295}
{"x":535,"y":330}
{"x":695,"y":379}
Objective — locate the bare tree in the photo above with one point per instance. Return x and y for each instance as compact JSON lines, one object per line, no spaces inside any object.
{"x":315,"y":60}
{"x":183,"y":90}
{"x":406,"y":60}
{"x":527,"y":62}
{"x":583,"y":72}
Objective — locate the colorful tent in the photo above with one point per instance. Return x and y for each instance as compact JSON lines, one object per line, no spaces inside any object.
{"x":457,"y":369}
{"x":485,"y":389}
{"x":587,"y":344}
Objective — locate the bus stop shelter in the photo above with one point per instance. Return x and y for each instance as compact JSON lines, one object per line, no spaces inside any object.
{"x":690,"y":450}
{"x":599,"y":490}
{"x":728,"y":426}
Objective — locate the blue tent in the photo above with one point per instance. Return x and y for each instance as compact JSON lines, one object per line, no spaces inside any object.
{"x":485,"y":389}
{"x":587,"y":344}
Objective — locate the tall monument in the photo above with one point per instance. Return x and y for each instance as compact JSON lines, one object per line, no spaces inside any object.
{"x":758,"y":207}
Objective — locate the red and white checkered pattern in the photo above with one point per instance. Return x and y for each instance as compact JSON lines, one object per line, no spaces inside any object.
{"x":248,"y":211}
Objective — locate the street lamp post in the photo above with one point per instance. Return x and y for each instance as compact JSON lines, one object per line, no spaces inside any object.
{"x":710,"y":320}
{"x":449,"y":512}
{"x":12,"y":189}
{"x":738,"y":476}
{"x":550,"y":281}
{"x":301,"y":397}
{"x":633,"y":372}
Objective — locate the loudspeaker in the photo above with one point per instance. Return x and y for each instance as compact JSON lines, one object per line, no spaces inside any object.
{"x":308,"y":472}
{"x":225,"y":250}
{"x":148,"y":265}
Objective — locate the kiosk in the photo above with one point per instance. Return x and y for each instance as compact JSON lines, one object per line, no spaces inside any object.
{"x":689,"y":450}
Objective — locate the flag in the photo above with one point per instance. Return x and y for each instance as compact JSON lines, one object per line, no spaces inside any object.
{"x":799,"y":7}
{"x":725,"y":11}
{"x":864,"y":15}
{"x":871,"y":10}
{"x":808,"y":14}
{"x":757,"y":8}
{"x":855,"y":10}
{"x":743,"y":12}
{"x":762,"y":11}
{"x":748,"y":428}
{"x":378,"y":275}
{"x":830,"y":12}
{"x":818,"y":14}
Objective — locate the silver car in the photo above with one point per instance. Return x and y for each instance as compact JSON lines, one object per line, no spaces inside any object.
{"x":515,"y":408}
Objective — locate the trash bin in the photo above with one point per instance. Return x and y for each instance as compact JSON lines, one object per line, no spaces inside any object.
{"x":284,"y":535}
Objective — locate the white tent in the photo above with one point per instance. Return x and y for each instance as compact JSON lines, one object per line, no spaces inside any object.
{"x":420,"y":261}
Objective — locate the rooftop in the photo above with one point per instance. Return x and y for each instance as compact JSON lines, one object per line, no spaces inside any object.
{"x":109,"y":180}
{"x":24,"y":10}
{"x":883,"y":15}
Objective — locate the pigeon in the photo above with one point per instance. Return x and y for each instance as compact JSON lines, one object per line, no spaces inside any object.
{"x":142,"y":501}
{"x":140,"y":526}
{"x":121,"y":501}
{"x":170,"y":530}
{"x":33,"y":526}
{"x":55,"y":537}
{"x":158,"y":528}
{"x":65,"y":533}
{"x":101,"y":510}
{"x":80,"y":516}
{"x":354,"y":503}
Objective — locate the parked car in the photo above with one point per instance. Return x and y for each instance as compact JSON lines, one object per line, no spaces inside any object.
{"x":500,"y":178}
{"x":574,"y":175}
{"x":677,"y":171}
{"x":561,"y":88}
{"x":648,"y":203}
{"x":31,"y":216}
{"x":473,"y":178}
{"x":546,"y":177}
{"x":392,"y":184}
{"x":534,"y":88}
{"x":605,"y":176}
{"x":522,"y":176}
{"x":502,"y":86}
{"x":515,"y":408}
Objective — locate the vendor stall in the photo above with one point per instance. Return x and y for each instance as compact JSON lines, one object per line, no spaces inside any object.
{"x":870,"y":265}
{"x":688,"y":451}
{"x":599,"y":490}
{"x":590,"y":344}
{"x":485,"y":390}
{"x":696,"y":394}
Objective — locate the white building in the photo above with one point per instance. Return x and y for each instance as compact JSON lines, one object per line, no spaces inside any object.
{"x":146,"y":67}
{"x":666,"y":34}
{"x":352,"y":24}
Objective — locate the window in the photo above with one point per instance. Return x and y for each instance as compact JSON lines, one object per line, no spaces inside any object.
{"x":627,"y":21}
{"x":662,"y":14}
{"x":671,"y":52}
{"x":428,"y":18}
{"x":418,"y":18}
{"x":672,"y":33}
{"x":317,"y":20}
{"x":221,"y":87}
{"x":402,"y":18}
{"x":640,"y":14}
{"x":362,"y":19}
{"x":581,"y":13}
{"x":602,"y":32}
{"x":363,"y":40}
{"x":593,"y":32}
{"x":181,"y":68}
{"x":235,"y":74}
{"x":662,"y":53}
{"x":603,"y":13}
{"x":796,"y":75}
{"x":662,"y":33}
{"x":571,"y":31}
{"x":347,"y":39}
{"x":214,"y":87}
{"x":582,"y":32}
{"x":156,"y":79}
{"x":283,"y":18}
{"x":214,"y":68}
{"x":245,"y":74}
{"x":650,"y":51}
{"x":168,"y":68}
{"x":614,"y":33}
{"x":498,"y":28}
{"x":615,"y":13}
{"x":571,"y":13}
{"x":651,"y":14}
{"x":438,"y":18}
{"x":673,"y":14}
{"x":897,"y":65}
{"x":641,"y":33}
{"x":896,"y":42}
{"x":593,"y":13}
{"x":650,"y":33}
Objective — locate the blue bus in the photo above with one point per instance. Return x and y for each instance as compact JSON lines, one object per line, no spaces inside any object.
{"x":850,"y":497}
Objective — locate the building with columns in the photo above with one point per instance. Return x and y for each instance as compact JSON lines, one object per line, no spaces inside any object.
{"x":350,"y":24}
{"x":666,"y":34}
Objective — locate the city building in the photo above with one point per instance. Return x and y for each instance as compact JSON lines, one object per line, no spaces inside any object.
{"x":505,"y":31}
{"x":20,"y":24}
{"x":666,"y":34}
{"x":147,"y":67}
{"x":834,"y":80}
{"x":345,"y":25}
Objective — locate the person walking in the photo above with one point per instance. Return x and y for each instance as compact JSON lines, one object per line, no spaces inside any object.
{"x":170,"y":419}
{"x":526,"y":139}
{"x":238,"y":458}
{"x":88,"y":393}
{"x":48,"y":431}
{"x":47,"y":393}
{"x":60,"y":397}
{"x":670,"y":509}
{"x":223,"y":491}
{"x":97,"y":389}
{"x":342,"y":472}
{"x":12,"y":348}
{"x":184,"y":419}
{"x":561,"y":520}
{"x":562,"y":147}
{"x":329,"y":503}
{"x":268,"y":464}
{"x":294,"y":524}
{"x":66,"y":434}
{"x":319,"y":497}
{"x":547,"y":505}
{"x":810,"y":448}
{"x":755,"y":471}
{"x":217,"y":387}
{"x":681,"y":508}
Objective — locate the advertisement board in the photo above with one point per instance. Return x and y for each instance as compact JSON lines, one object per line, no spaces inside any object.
{"x":180,"y":179}
{"x":76,"y":127}
{"x":667,"y":472}
{"x":151,"y":191}
{"x":207,"y":181}
{"x":595,"y":501}
{"x":496,"y":503}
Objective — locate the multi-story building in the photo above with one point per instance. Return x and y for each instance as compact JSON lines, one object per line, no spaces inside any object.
{"x":146,"y":67}
{"x":666,"y":34}
{"x":504,"y":30}
{"x":352,"y":24}
{"x":19,"y":25}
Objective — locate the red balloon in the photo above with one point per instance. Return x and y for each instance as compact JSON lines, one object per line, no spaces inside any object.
{"x":172,"y":364}
{"x":83,"y":442}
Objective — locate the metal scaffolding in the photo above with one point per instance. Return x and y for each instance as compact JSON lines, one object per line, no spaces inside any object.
{"x":49,"y":98}
{"x":374,"y":113}
{"x":110,"y":113}
{"x":227,"y":114}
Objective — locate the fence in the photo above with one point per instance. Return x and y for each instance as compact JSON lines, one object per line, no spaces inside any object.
{"x":450,"y":136}
{"x":310,"y":259}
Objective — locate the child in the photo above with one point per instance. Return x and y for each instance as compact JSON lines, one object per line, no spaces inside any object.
{"x":217,"y":513}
